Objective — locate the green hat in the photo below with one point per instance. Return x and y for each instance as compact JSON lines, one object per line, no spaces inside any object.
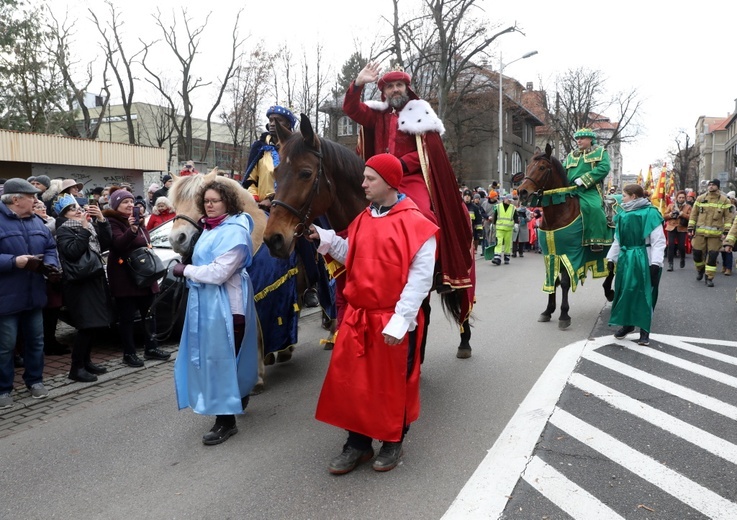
{"x":586,"y":132}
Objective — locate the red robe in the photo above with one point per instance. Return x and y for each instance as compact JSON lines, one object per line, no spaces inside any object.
{"x":428,"y":179}
{"x":369,"y":388}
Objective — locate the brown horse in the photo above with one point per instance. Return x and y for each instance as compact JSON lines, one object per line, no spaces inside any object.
{"x":318,"y":177}
{"x":545,"y":184}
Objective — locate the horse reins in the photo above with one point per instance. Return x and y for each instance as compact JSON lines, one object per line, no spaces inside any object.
{"x":304,"y":212}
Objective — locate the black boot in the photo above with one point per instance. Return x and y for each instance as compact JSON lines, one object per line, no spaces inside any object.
{"x":388,"y":456}
{"x":670,"y":266}
{"x":222,"y":431}
{"x":81,"y":375}
{"x":683,"y":263}
{"x":644,"y":338}
{"x":709,"y":282}
{"x":699,"y":275}
{"x":156,"y":353}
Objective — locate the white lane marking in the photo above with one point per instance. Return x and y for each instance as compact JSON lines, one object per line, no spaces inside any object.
{"x":687,"y":491}
{"x":694,"y":435}
{"x":695,"y":349}
{"x":486,"y":493}
{"x":695,"y":368}
{"x":565,"y":494}
{"x":672,"y":340}
{"x":659,"y":383}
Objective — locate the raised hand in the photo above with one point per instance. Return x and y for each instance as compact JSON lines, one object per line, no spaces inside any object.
{"x":369,"y":74}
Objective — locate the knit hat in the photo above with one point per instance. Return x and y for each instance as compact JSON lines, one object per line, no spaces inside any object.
{"x":119,"y":196}
{"x":284,"y":112}
{"x":44,"y":179}
{"x":716,"y":183}
{"x":154,"y":188}
{"x":165,"y":179}
{"x":17,"y":185}
{"x":63,"y":202}
{"x":388,"y":166}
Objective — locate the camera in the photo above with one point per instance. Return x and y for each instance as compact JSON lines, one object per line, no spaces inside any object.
{"x":674,"y":214}
{"x":137,"y":214}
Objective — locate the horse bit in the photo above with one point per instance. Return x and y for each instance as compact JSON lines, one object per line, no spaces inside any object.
{"x":304,"y":212}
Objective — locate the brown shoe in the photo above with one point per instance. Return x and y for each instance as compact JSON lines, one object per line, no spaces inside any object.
{"x":727,"y":272}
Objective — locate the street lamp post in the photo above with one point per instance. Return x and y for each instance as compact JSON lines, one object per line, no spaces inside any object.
{"x":500,"y":157}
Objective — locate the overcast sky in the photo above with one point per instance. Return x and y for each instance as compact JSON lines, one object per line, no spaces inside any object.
{"x":677,"y":57}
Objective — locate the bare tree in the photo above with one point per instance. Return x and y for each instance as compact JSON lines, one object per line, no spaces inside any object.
{"x":283,"y":69}
{"x":580,"y":98}
{"x":185,"y":54}
{"x":685,"y":161}
{"x":115,"y":57}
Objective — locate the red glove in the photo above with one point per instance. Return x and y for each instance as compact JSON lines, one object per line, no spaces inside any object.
{"x":179,"y":270}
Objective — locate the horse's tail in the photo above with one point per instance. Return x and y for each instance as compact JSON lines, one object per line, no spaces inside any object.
{"x":455,"y":306}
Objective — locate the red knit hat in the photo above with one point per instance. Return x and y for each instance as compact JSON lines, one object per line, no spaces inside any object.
{"x":388,"y":166}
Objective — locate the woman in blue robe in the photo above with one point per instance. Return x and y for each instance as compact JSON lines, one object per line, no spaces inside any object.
{"x":217,"y":363}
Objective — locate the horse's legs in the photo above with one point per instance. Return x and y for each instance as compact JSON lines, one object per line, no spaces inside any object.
{"x":564,"y":321}
{"x":550,"y":309}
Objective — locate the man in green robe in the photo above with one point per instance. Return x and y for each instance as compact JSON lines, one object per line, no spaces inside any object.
{"x":587,"y":168}
{"x":637,"y":250}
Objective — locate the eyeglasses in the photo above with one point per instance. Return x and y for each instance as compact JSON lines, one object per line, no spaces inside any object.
{"x":209,"y":202}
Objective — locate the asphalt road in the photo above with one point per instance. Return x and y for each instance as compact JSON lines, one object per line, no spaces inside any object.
{"x":123,"y":450}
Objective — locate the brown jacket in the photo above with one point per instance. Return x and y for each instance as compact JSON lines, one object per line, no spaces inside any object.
{"x":679,"y":223}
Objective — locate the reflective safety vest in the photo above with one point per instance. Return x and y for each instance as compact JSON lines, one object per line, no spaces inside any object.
{"x":505,"y":217}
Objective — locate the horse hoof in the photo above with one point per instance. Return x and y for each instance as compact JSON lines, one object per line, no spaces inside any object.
{"x":269,"y":359}
{"x":564,"y":324}
{"x":543,"y":319}
{"x":284,"y":355}
{"x":258,"y":388}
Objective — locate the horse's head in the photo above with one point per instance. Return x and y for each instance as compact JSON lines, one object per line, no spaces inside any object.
{"x":303,"y":192}
{"x":185,"y":230}
{"x":544,"y":172}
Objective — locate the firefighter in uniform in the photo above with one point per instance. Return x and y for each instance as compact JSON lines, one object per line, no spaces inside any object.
{"x":711,"y":218}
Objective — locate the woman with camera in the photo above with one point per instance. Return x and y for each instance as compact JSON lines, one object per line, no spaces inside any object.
{"x":216,"y":367}
{"x":129,"y":234}
{"x":80,"y":239}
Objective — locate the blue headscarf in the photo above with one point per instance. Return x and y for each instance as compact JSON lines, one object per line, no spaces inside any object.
{"x":284,"y":112}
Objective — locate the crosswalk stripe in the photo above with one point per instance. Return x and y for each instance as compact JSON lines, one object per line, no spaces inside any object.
{"x":701,"y":351}
{"x":565,"y":494}
{"x":666,"y":338}
{"x":695,"y":368}
{"x":694,"y":435}
{"x":659,"y":383}
{"x":673,"y":483}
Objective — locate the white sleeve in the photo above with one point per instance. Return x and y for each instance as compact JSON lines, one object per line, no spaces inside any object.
{"x":419,"y":283}
{"x":219,"y":270}
{"x":657,"y":246}
{"x":613,"y":254}
{"x":332,"y":244}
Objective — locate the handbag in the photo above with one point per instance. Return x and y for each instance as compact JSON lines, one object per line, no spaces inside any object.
{"x":87,"y":267}
{"x":145,"y":266}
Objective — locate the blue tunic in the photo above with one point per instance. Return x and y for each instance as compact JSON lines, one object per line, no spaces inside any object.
{"x":208,"y":376}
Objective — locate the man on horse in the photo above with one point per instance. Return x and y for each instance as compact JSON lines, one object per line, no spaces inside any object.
{"x":408,"y":128}
{"x":587,"y":167}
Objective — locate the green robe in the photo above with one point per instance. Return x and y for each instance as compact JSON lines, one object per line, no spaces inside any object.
{"x":635,"y":293}
{"x":592,"y":168}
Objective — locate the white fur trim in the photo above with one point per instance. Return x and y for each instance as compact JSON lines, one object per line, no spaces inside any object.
{"x":418,"y":117}
{"x":379,"y":106}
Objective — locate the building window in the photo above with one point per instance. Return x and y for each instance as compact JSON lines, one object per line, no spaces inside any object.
{"x":516,"y":163}
{"x":345,"y":126}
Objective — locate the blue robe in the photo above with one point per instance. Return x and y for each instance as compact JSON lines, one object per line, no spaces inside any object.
{"x":208,"y":376}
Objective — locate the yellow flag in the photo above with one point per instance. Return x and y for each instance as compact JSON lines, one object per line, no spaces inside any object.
{"x":672,"y":187}
{"x":639,"y":178}
{"x":658,"y":197}
{"x":649,"y":181}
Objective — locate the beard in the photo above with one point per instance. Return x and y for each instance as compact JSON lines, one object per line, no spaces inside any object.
{"x":398,"y":101}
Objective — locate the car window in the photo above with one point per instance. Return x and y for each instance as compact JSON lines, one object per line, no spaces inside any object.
{"x":160,"y":235}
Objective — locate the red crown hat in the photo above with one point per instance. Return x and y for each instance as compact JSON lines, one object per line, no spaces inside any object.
{"x":388,"y":166}
{"x":397,"y":74}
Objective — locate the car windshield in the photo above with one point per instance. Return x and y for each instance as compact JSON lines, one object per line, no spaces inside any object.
{"x":160,"y":235}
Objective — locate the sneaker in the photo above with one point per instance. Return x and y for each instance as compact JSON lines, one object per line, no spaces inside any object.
{"x":349,"y":459}
{"x":132,"y":360}
{"x":388,"y":456}
{"x":38,"y":391}
{"x":310,"y":298}
{"x":6,"y":400}
{"x":156,"y":353}
{"x":644,"y":338}
{"x":622,"y":333}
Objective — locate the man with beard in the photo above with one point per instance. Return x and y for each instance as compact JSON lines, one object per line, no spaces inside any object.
{"x":408,"y":128}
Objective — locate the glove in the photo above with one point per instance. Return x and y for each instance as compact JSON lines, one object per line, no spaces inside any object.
{"x":516,"y":228}
{"x":578,"y":182}
{"x":690,"y":231}
{"x":654,"y":274}
{"x":179,"y":270}
{"x":610,"y":266}
{"x":52,"y":273}
{"x":35,"y":264}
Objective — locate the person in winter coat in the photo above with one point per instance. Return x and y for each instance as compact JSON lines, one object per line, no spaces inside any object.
{"x":129,"y":234}
{"x":87,"y":300}
{"x":163,"y":211}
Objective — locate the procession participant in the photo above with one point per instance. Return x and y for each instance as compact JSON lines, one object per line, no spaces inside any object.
{"x":505,"y":220}
{"x":710,"y":221}
{"x":677,"y":215}
{"x":217,"y":364}
{"x":392,"y":125}
{"x":637,"y":251}
{"x":587,"y":167}
{"x":372,"y":387}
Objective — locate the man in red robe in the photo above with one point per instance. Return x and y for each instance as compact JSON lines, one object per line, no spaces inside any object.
{"x":372,"y":387}
{"x":408,"y":128}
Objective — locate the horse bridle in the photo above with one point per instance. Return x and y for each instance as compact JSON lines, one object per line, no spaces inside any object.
{"x":303,"y":214}
{"x":540,"y":191}
{"x":199,"y":229}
